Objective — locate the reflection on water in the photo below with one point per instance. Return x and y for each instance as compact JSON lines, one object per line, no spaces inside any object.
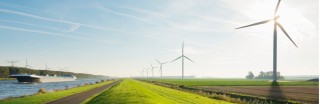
{"x":11,"y":88}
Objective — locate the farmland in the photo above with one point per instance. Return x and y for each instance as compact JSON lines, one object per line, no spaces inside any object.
{"x":298,"y":93}
{"x":233,"y":82}
{"x":301,"y":91}
{"x":133,"y":91}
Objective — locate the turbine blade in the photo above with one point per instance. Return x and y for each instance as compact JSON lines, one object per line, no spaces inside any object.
{"x":285,"y":32}
{"x":259,"y":23}
{"x":182,"y":47}
{"x":188,"y":59}
{"x":176,"y":59}
{"x":158,"y":61}
{"x":277,"y":7}
{"x":165,"y":62}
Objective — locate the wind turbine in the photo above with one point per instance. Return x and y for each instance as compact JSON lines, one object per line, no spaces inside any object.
{"x":46,"y":72}
{"x":147,"y":71}
{"x":142,"y":73}
{"x":27,"y":65}
{"x":276,"y":24}
{"x":47,"y":67}
{"x":182,"y":59}
{"x":161,"y":66}
{"x":12,"y":62}
{"x":60,"y":71}
{"x":152,"y":67}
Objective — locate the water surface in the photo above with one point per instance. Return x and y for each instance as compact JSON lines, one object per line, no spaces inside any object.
{"x":12,"y":88}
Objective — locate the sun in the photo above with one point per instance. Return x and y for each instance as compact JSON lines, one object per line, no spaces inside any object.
{"x":289,"y":17}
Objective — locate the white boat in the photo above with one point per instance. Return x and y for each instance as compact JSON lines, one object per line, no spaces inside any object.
{"x":30,"y":78}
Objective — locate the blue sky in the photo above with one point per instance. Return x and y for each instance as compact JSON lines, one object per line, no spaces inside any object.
{"x":121,"y":37}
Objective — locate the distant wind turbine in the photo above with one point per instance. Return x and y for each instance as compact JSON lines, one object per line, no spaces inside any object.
{"x":60,"y":71}
{"x":12,"y":62}
{"x":152,"y":67}
{"x":27,"y":65}
{"x":47,"y":67}
{"x":161,"y":66}
{"x":276,"y":24}
{"x":182,"y":59}
{"x":142,"y":73}
{"x":147,"y":71}
{"x":46,"y":72}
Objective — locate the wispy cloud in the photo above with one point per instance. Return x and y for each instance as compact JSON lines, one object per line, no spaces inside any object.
{"x":74,"y":27}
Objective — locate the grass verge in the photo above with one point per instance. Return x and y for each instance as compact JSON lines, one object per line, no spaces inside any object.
{"x":133,"y":91}
{"x":50,"y":96}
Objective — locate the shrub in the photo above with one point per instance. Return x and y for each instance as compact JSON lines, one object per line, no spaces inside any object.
{"x":42,"y":90}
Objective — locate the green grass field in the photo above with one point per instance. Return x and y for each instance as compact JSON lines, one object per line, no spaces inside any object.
{"x":231,"y":82}
{"x":49,"y":96}
{"x":133,"y":91}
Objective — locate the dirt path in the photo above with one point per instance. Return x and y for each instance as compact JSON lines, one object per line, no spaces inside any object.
{"x":80,"y":97}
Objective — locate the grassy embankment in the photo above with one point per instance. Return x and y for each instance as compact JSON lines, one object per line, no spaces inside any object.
{"x":133,"y":91}
{"x":50,"y":96}
{"x":233,"y":82}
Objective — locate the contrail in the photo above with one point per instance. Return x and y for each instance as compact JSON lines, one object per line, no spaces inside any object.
{"x":73,"y":24}
{"x":36,"y":31}
{"x":48,"y":27}
{"x":37,"y":17}
{"x":25,"y":8}
{"x":42,"y":26}
{"x":52,"y":34}
{"x":125,"y":15}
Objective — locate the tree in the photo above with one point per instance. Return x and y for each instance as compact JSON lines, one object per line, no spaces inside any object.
{"x":250,"y":75}
{"x":268,"y":75}
{"x":4,"y":72}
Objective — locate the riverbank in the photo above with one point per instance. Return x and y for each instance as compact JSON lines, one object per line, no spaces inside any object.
{"x":50,"y":96}
{"x":6,"y":79}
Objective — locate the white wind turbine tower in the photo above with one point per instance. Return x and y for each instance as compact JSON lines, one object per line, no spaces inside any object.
{"x":182,"y":59}
{"x":46,"y":72}
{"x":276,"y":24}
{"x":147,"y":71}
{"x":27,"y":65}
{"x":142,"y":73}
{"x":61,"y":69}
{"x":161,"y":66}
{"x":152,"y":67}
{"x":47,"y":67}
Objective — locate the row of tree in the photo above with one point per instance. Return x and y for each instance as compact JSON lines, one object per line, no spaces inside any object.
{"x":264,"y":75}
{"x":6,"y":71}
